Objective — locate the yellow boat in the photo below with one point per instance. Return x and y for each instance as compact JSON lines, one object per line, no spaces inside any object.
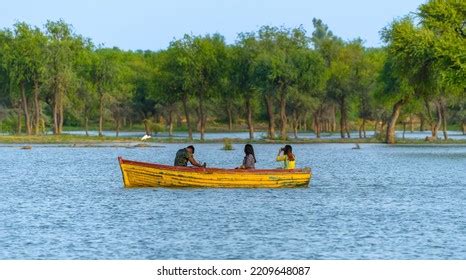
{"x":142,"y":174}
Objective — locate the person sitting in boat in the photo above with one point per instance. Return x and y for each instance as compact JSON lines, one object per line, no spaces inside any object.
{"x":185,"y":155}
{"x":286,"y":155}
{"x":249,"y":160}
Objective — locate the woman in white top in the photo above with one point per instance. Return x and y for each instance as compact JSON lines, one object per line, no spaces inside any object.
{"x":249,"y":160}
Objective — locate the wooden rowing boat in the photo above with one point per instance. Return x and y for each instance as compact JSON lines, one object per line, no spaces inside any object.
{"x":142,"y":174}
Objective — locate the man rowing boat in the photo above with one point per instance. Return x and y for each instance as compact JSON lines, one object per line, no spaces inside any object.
{"x":185,"y":155}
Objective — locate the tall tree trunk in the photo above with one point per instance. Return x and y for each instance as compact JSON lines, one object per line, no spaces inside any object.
{"x":117,"y":127}
{"x":55,"y":106}
{"x":37,"y":109}
{"x":230,"y":118}
{"x":170,"y":123}
{"x":31,"y":113}
{"x":20,"y":121}
{"x":86,"y":125}
{"x":55,"y":115}
{"x":360,"y":131}
{"x":271,"y":116}
{"x":304,"y":125}
{"x":295,"y":126}
{"x":61,"y":114}
{"x":199,"y":120}
{"x":411,"y":123}
{"x":186,"y":113}
{"x":444,"y":119}
{"x":421,"y":124}
{"x":342,"y":118}
{"x":146,"y":126}
{"x":375,"y":127}
{"x":101,"y":114}
{"x":346,"y":129}
{"x":435,"y":125}
{"x":202,"y":116}
{"x":392,"y":122}
{"x":364,"y":127}
{"x":283,"y":130}
{"x":249,"y":113}
{"x":317,"y":128}
{"x":58,"y":109}
{"x":404,"y":130}
{"x":25,"y":107}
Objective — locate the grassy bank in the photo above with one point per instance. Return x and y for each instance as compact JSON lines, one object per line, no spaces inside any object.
{"x":78,"y":139}
{"x":62,"y":139}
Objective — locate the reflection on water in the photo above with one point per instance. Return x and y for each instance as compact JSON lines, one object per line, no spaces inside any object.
{"x":379,"y":202}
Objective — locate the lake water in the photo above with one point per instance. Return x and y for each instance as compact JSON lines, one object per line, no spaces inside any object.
{"x":379,"y":202}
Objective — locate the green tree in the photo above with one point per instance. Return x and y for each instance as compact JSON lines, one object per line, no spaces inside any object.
{"x":446,"y":22}
{"x":62,"y":49}
{"x":229,"y":98}
{"x":173,"y":76}
{"x":24,"y":60}
{"x":329,"y":46}
{"x":284,"y":64}
{"x":244,"y":77}
{"x":345,"y":80}
{"x":105,"y":71}
{"x":207,"y":56}
{"x":365,"y":85}
{"x":393,"y":88}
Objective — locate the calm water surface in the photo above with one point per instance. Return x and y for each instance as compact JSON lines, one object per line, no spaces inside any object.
{"x":379,"y":202}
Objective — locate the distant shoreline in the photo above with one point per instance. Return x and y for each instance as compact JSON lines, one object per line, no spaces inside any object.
{"x":86,"y":141}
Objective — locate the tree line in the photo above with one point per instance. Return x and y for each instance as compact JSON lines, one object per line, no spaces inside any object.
{"x":283,"y":77}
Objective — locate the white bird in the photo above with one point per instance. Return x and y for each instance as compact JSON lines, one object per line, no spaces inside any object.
{"x":145,"y":137}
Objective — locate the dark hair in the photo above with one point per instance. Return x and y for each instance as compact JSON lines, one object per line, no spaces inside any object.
{"x":190,"y":147}
{"x":288,"y":150}
{"x":249,"y":150}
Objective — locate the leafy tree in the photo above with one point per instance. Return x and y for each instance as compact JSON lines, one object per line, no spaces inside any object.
{"x":329,"y":46}
{"x":365,"y":85}
{"x":173,"y":76}
{"x":229,"y":98}
{"x":105,"y":71}
{"x":393,"y":87}
{"x":345,"y":80}
{"x":30,"y":44}
{"x":445,"y":21}
{"x":62,"y":49}
{"x":24,"y":58}
{"x":207,"y":64}
{"x":143,"y":65}
{"x":284,"y":64}
{"x":244,"y":77}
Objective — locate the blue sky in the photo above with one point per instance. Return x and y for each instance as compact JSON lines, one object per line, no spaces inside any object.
{"x":145,"y":24}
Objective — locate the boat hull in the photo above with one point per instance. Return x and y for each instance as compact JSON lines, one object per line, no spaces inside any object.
{"x":141,"y":174}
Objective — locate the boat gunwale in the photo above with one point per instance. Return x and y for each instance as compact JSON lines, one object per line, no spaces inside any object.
{"x":218,"y":170}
